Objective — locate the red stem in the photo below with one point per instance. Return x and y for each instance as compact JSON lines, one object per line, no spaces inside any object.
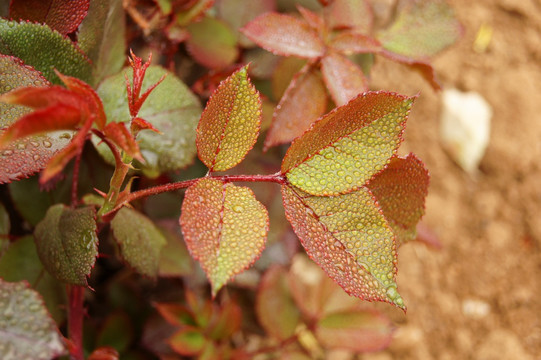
{"x":75,"y":179}
{"x":75,"y":321}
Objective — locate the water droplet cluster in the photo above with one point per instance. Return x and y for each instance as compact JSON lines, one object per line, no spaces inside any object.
{"x":66,"y":242}
{"x":28,"y":331}
{"x":225,"y":228}
{"x":349,"y":145}
{"x":348,"y":237}
{"x":230,"y":123}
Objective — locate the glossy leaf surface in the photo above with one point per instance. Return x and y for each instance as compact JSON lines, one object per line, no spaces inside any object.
{"x":284,"y":35}
{"x":401,"y":190}
{"x":348,"y":237}
{"x":343,"y":78}
{"x":422,"y":29}
{"x":28,"y":332}
{"x":102,"y":37}
{"x":60,"y":15}
{"x":304,"y":101}
{"x":44,"y":49}
{"x":224,"y":227}
{"x":212,"y":43}
{"x":230,"y":123}
{"x":357,"y":331}
{"x":171,"y":108}
{"x":349,"y":145}
{"x":275,"y":308}
{"x":140,"y":240}
{"x":67,"y":243}
{"x":26,"y":156}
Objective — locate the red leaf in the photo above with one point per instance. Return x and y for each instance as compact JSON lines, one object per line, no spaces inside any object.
{"x":352,"y":14}
{"x":344,"y":79}
{"x":348,"y":237}
{"x":348,"y":42}
{"x":55,"y":117}
{"x":41,"y":97}
{"x":138,"y":124}
{"x":423,"y":67}
{"x":304,"y":101}
{"x":104,"y":353}
{"x":60,"y":15}
{"x":135,"y":99}
{"x":92,"y":98}
{"x":312,"y":19}
{"x":284,"y":35}
{"x":120,"y":135}
{"x":401,"y":189}
{"x":188,"y":341}
{"x":175,"y":314}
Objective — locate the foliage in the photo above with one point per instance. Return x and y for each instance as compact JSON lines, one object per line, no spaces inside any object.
{"x":105,"y":138}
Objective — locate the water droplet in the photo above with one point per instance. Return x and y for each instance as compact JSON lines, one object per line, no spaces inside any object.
{"x":47,"y":144}
{"x":238,"y":208}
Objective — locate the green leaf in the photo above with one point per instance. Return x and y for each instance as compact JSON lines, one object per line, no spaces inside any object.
{"x":230,"y":123}
{"x":102,"y":36}
{"x":21,"y":262}
{"x":140,"y":240}
{"x":171,"y":108}
{"x":275,"y":308}
{"x":348,"y":237}
{"x":225,"y":228}
{"x":212,"y":43}
{"x":188,"y":342}
{"x":401,"y":190}
{"x":346,"y":147}
{"x":28,"y":332}
{"x":357,"y":331}
{"x":26,"y":156}
{"x":44,"y":49}
{"x":175,"y":260}
{"x":66,"y":242}
{"x":422,"y":29}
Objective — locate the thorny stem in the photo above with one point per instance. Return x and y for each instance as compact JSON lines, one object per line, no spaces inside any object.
{"x":75,"y":321}
{"x":276,"y":178}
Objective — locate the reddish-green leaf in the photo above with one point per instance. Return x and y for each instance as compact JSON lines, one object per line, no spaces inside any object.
{"x":230,"y":123}
{"x":349,"y":145}
{"x":422,"y":29}
{"x":227,"y":321}
{"x":357,"y":331}
{"x":313,"y":19}
{"x":401,"y":190}
{"x":44,"y":49}
{"x":140,"y":240}
{"x":119,"y":134}
{"x":192,"y":11}
{"x":176,"y":314}
{"x":343,"y":78}
{"x":304,"y":101}
{"x":284,"y":35}
{"x":349,"y":42}
{"x":348,"y":237}
{"x":175,"y":260}
{"x":225,"y":228}
{"x":67,"y":243}
{"x":423,"y":67}
{"x":102,"y":37}
{"x":60,"y":15}
{"x":352,"y":14}
{"x":188,"y":341}
{"x":275,"y":308}
{"x":26,"y":156}
{"x":212,"y":43}
{"x":28,"y":332}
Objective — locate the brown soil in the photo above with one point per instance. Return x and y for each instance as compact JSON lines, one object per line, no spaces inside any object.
{"x":488,"y":223}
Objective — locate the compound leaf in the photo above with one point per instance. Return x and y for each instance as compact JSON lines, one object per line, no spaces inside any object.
{"x":62,"y":16}
{"x":304,"y":101}
{"x":24,"y":157}
{"x":356,"y":330}
{"x":230,"y":123}
{"x":67,"y":243}
{"x":140,"y":240}
{"x":171,"y":108}
{"x":284,"y":35}
{"x":422,"y":29}
{"x":225,"y":228}
{"x":44,"y":49}
{"x":401,"y":190}
{"x":343,"y":78}
{"x":28,"y":332}
{"x":348,"y":237}
{"x":346,"y":147}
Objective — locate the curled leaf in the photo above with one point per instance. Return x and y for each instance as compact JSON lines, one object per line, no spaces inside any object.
{"x":230,"y":123}
{"x":225,"y":228}
{"x":349,"y":145}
